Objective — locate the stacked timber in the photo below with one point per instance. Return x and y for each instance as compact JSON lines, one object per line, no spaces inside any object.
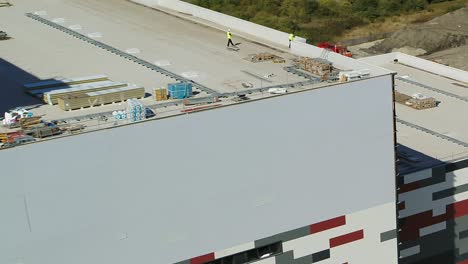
{"x":316,"y":66}
{"x":49,"y":85}
{"x":100,"y":97}
{"x":52,"y":97}
{"x":10,"y":137}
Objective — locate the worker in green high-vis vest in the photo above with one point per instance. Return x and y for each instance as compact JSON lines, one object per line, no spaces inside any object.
{"x":291,"y":38}
{"x":229,"y":37}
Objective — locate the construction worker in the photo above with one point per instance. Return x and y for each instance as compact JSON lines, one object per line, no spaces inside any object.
{"x":291,"y":38}
{"x":229,"y":37}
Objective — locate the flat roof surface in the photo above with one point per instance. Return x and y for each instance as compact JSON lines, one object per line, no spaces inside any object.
{"x":197,"y":52}
{"x":441,"y":132}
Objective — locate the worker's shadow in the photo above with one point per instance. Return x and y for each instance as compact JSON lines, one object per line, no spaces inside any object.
{"x":238,"y":43}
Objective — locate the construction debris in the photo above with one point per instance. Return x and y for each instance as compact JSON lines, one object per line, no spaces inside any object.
{"x":265,"y":56}
{"x":72,"y":128}
{"x":3,"y":35}
{"x":13,"y":117}
{"x":417,"y":101}
{"x":320,"y":67}
{"x":278,"y":90}
{"x":43,"y":131}
{"x":5,"y":4}
{"x":247,"y":85}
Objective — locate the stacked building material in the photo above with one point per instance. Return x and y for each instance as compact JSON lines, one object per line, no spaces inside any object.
{"x":179,"y":90}
{"x":9,"y":137}
{"x":101,"y":97}
{"x":401,"y":98}
{"x":316,"y":66}
{"x":160,"y":94}
{"x":52,"y":96}
{"x":417,"y":101}
{"x":135,"y":110}
{"x":421,"y":104}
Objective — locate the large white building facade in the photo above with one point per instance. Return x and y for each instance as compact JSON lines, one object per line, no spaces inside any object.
{"x":308,"y":175}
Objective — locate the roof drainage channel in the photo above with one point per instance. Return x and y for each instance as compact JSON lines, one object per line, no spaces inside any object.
{"x":453,"y":140}
{"x":120,"y":53}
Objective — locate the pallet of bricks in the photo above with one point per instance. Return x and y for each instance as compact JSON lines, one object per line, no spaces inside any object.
{"x":416,"y":102}
{"x":316,"y":66}
{"x":424,"y":103}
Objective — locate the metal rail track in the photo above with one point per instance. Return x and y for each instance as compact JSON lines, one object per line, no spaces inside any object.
{"x":434,"y":89}
{"x":295,"y":71}
{"x":120,"y":53}
{"x":178,"y":102}
{"x":436,"y":134}
{"x":266,"y":88}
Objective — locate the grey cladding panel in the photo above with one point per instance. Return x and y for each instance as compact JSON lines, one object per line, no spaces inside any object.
{"x":449,"y":192}
{"x":322,"y":255}
{"x":283,"y":237}
{"x":285,"y":258}
{"x":385,"y":236}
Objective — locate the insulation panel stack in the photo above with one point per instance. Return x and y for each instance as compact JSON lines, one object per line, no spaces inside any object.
{"x":97,"y":98}
{"x":52,"y":97}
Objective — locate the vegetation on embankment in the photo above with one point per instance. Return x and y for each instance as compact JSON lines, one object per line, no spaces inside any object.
{"x":323,"y":20}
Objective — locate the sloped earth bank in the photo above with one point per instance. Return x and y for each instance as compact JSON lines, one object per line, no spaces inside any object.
{"x":444,"y":32}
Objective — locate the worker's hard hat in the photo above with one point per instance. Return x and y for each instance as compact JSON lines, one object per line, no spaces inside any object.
{"x":229,"y":30}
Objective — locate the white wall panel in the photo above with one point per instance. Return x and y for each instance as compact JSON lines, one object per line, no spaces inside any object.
{"x":168,"y":190}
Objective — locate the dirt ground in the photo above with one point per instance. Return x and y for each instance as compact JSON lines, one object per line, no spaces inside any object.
{"x":443,"y":40}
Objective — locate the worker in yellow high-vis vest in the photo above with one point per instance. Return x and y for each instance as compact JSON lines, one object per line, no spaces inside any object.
{"x":291,"y":38}
{"x":229,"y":37}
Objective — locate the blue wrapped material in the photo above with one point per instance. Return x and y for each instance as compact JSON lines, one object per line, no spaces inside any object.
{"x":179,"y":90}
